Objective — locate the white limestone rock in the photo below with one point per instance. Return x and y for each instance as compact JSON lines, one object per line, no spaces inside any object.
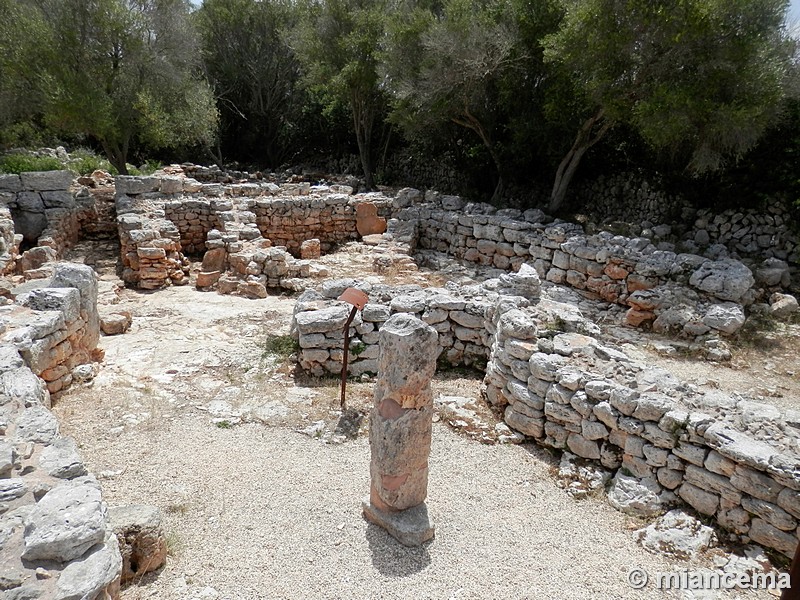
{"x":727,"y":318}
{"x":727,"y":279}
{"x":65,"y":523}
{"x":676,"y":534}
{"x":640,"y":497}
{"x":62,"y":459}
{"x":95,"y":575}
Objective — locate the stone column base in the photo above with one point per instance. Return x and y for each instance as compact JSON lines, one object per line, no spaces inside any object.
{"x":410,"y":527}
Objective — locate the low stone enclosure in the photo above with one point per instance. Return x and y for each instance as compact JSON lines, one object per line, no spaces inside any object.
{"x":664,"y":442}
{"x":547,"y":371}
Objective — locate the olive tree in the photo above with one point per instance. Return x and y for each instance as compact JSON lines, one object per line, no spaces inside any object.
{"x":338,"y":43}
{"x":699,"y":78}
{"x":122,"y":72}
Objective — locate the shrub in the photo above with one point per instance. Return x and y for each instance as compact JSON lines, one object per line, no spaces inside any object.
{"x":20,"y":163}
{"x":85,"y":162}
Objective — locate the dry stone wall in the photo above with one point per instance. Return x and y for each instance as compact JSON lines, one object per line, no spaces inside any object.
{"x":250,"y":234}
{"x":684,"y":294}
{"x":55,"y":537}
{"x":665,"y":442}
{"x":47,"y":214}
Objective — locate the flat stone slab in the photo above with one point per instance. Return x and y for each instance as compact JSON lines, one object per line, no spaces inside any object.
{"x":410,"y":527}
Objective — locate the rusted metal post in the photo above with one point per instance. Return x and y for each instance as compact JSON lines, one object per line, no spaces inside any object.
{"x":358,"y":299}
{"x":344,"y":356}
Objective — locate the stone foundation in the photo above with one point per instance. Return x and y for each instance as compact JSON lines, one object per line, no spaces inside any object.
{"x":665,"y":442}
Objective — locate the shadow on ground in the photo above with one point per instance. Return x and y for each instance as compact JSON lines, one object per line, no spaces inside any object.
{"x":391,"y":558}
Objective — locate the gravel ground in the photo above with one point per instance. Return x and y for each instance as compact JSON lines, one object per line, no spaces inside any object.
{"x":256,"y":512}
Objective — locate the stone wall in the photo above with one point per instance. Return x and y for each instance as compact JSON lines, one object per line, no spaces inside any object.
{"x":684,"y":294}
{"x":48,"y":215}
{"x":458,"y":317}
{"x":628,"y":197}
{"x":251,"y":233}
{"x":42,"y":477}
{"x":663,"y":441}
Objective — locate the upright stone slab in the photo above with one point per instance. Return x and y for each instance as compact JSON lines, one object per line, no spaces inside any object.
{"x":400,"y":430}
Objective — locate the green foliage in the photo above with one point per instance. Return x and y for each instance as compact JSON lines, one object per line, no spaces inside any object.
{"x":281,"y":346}
{"x":254,"y":74}
{"x":122,"y":72}
{"x":701,"y":79}
{"x":338,"y":45}
{"x":84,"y":162}
{"x":19,"y":163}
{"x":473,"y":64}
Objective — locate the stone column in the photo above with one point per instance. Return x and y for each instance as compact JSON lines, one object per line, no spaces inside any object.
{"x":400,"y":430}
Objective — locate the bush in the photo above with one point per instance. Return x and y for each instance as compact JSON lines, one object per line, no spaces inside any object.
{"x":20,"y":163}
{"x":86,"y":162}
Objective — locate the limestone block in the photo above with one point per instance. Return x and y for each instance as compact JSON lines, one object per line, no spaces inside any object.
{"x":367,"y":220}
{"x":782,"y":305}
{"x":727,"y":318}
{"x":763,"y":533}
{"x":62,"y":459}
{"x":676,"y":534}
{"x":401,"y":421}
{"x":58,"y":199}
{"x":726,"y":279}
{"x":128,"y":184}
{"x":83,"y":278}
{"x":310,"y":249}
{"x":10,"y":183}
{"x":95,"y":575}
{"x":116,"y":323}
{"x":141,"y":539}
{"x":634,"y":496}
{"x":36,"y":424}
{"x":46,"y":180}
{"x":65,"y":523}
{"x":65,"y":300}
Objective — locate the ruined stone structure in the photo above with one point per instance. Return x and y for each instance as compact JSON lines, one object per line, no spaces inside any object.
{"x":665,"y":442}
{"x":47,"y":215}
{"x":55,"y":537}
{"x":400,"y":430}
{"x":253,"y":231}
{"x":545,"y":367}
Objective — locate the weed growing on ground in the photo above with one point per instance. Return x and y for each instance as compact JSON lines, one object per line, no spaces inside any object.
{"x":280,"y":346}
{"x":174,"y":544}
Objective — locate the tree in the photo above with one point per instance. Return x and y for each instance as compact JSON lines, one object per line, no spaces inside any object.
{"x":338,"y":44}
{"x":21,"y":34}
{"x":701,"y":79}
{"x":472,"y":63}
{"x":122,"y":72}
{"x":446,"y":67}
{"x":254,"y":74}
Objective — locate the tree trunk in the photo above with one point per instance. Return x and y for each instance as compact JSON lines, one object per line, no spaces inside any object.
{"x":363,"y":118}
{"x":468,"y":120}
{"x":566,"y":170}
{"x":117,"y":156}
{"x":499,"y":190}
